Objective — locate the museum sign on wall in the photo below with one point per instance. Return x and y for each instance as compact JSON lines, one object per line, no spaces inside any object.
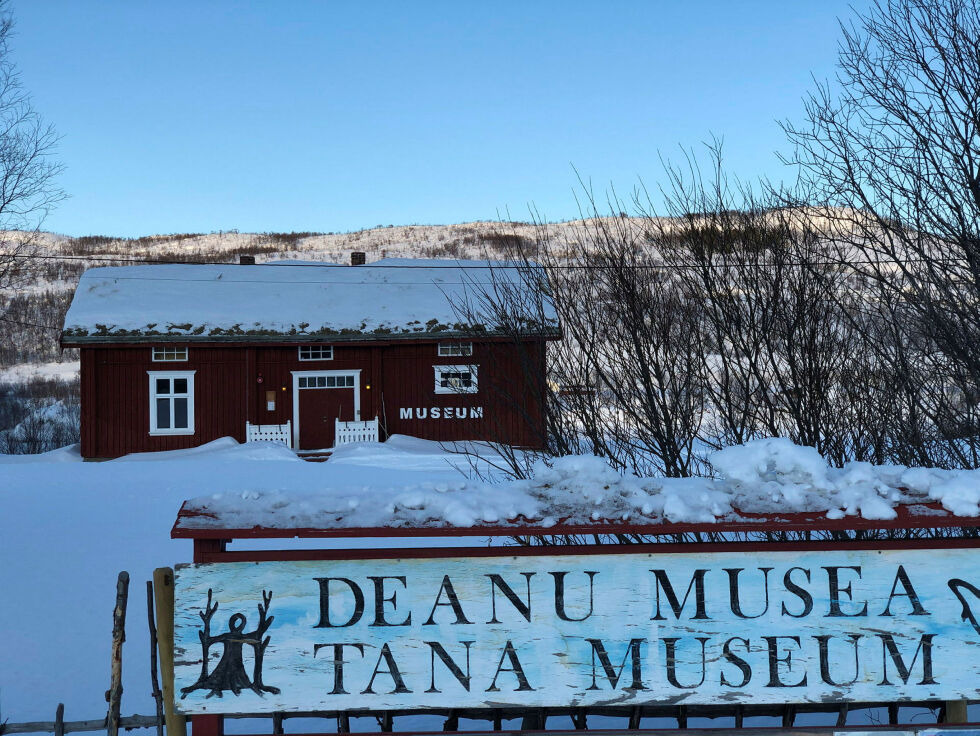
{"x":577,"y":630}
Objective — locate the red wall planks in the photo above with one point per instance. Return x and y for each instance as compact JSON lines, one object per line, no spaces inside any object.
{"x":397,"y":384}
{"x":115,"y":411}
{"x":506,"y":407}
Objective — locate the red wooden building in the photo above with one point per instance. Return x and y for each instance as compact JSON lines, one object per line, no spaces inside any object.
{"x":173,"y":356}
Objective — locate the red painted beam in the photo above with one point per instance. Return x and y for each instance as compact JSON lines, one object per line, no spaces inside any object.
{"x":402,"y":553}
{"x":915,"y":516}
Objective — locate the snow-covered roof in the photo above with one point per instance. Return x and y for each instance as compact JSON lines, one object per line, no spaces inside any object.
{"x":390,"y":298}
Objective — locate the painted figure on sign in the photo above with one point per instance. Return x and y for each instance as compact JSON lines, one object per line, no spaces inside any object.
{"x":963,"y":591}
{"x":229,"y":673}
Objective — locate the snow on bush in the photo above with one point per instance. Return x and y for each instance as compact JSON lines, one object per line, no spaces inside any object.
{"x":47,"y":425}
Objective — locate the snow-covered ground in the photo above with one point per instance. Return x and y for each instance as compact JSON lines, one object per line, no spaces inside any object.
{"x":68,"y":527}
{"x":23,"y":372}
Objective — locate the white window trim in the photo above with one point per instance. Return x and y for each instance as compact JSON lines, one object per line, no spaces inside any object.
{"x":455,"y":349}
{"x":356,"y":372}
{"x":189,"y":375}
{"x":299,"y":353}
{"x":155,"y":359}
{"x":473,"y":369}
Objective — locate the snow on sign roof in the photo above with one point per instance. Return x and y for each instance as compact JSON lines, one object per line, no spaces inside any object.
{"x":391,"y":298}
{"x":766,"y":485}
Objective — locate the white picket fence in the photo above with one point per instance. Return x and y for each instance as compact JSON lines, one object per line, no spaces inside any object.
{"x":348,"y":432}
{"x":282,"y":433}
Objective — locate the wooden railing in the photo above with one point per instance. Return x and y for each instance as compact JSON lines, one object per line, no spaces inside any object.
{"x":269,"y":433}
{"x":348,"y":432}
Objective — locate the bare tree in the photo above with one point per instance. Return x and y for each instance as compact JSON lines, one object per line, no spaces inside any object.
{"x":27,"y":169}
{"x":723,"y":318}
{"x":891,"y":149}
{"x":624,"y":383}
{"x":843,"y":315}
{"x":781,"y":354}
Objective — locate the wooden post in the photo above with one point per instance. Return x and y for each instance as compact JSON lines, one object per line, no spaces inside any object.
{"x":59,"y":720}
{"x":955,"y":711}
{"x":343,"y":722}
{"x":154,"y":680}
{"x":118,"y":637}
{"x":842,"y":715}
{"x":789,"y":716}
{"x":681,"y":716}
{"x":534,"y":720}
{"x":163,"y":587}
{"x":635,"y":716}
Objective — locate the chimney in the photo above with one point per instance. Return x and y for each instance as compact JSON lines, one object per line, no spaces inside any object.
{"x":246,"y":260}
{"x":358,"y":258}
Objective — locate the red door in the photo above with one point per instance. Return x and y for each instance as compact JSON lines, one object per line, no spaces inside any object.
{"x":319,"y":408}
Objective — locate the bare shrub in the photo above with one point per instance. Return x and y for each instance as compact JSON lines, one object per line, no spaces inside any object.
{"x":38,"y":415}
{"x":889,"y":150}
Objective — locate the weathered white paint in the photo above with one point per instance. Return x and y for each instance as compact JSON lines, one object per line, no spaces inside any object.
{"x":269,"y":432}
{"x":346,"y":433}
{"x":440,"y":412}
{"x":775,"y":627}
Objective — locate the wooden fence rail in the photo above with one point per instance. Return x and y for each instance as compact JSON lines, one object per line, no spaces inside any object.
{"x":580,"y":719}
{"x":63,"y":727}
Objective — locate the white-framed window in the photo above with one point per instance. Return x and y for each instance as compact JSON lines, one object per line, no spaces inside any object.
{"x":316,"y":352}
{"x":171,"y":402}
{"x":454,"y":349}
{"x":326,"y":381}
{"x":456,"y":379}
{"x":169,"y":354}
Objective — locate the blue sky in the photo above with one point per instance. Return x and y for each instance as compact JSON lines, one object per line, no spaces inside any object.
{"x":279,"y":116}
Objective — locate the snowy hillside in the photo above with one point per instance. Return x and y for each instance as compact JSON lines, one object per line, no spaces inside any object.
{"x":33,"y":368}
{"x":34,"y":313}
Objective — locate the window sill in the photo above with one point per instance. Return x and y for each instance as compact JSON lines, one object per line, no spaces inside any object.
{"x":170,"y":432}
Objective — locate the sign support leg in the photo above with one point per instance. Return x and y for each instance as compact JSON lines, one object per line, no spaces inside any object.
{"x":207,"y":726}
{"x":163,"y":588}
{"x":955,"y":711}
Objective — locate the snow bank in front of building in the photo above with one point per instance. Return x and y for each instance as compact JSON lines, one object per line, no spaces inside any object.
{"x":768,"y":476}
{"x":68,"y":527}
{"x":67,"y":454}
{"x":224,"y":448}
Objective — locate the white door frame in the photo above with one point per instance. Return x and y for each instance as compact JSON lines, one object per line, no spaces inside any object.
{"x":356,"y":372}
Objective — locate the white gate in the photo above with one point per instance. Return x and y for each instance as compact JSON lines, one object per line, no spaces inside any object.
{"x":348,"y":432}
{"x":269,"y":433}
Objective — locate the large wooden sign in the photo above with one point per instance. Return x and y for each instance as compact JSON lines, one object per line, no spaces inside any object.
{"x":578,"y":630}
